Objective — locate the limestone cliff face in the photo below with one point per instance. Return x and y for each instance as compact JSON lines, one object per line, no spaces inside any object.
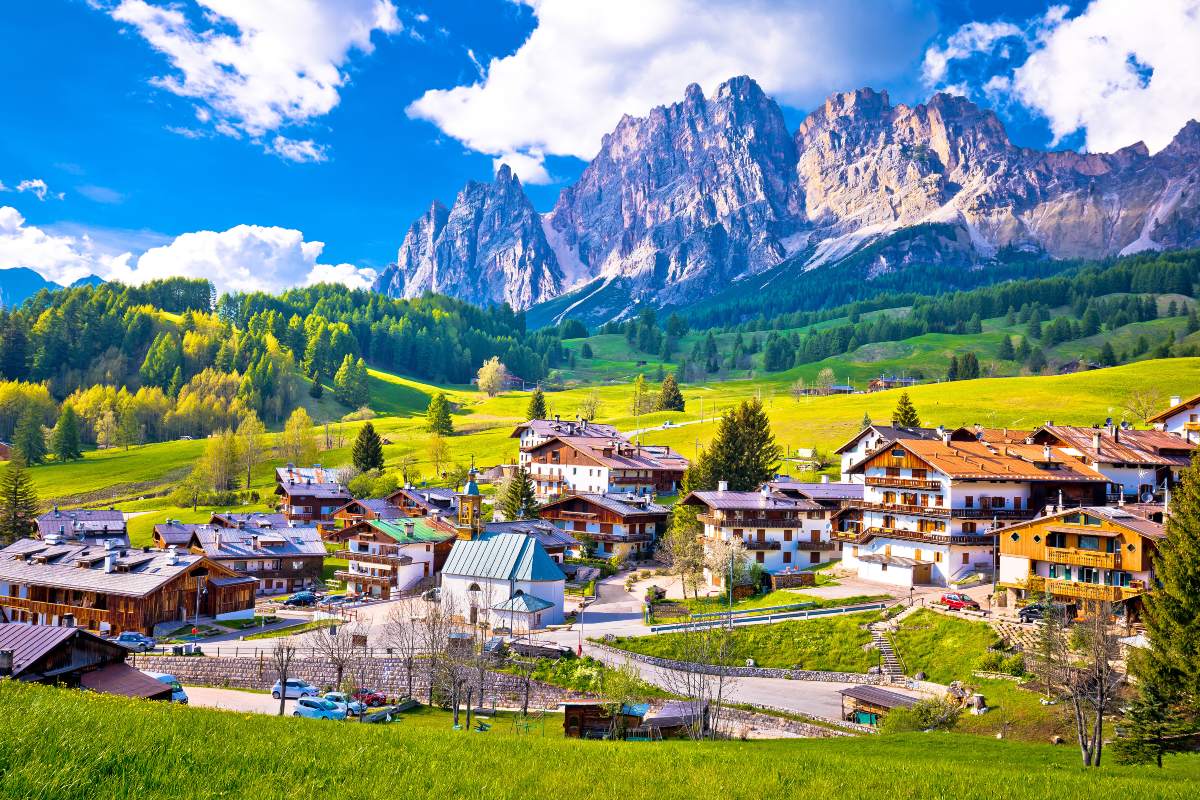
{"x":689,"y":199}
{"x":488,"y":248}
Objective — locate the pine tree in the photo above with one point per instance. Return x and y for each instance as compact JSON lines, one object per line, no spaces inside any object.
{"x":537,"y":405}
{"x":343,"y":382}
{"x":968,"y":367}
{"x":1168,"y":672}
{"x":437,"y":416}
{"x":866,"y":421}
{"x":1107,"y":357}
{"x":585,"y":350}
{"x":905,"y":414}
{"x":176,"y":383}
{"x":1005,"y":352}
{"x":517,"y":500}
{"x":669,"y":397}
{"x":315,"y":390}
{"x":1037,"y":361}
{"x":368,"y":449}
{"x":29,"y":441}
{"x":743,"y":453}
{"x":952,"y":369}
{"x":1193,"y":321}
{"x":18,"y":502}
{"x":65,"y":440}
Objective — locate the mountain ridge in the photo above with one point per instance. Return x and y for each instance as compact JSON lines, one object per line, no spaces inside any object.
{"x":697,"y":195}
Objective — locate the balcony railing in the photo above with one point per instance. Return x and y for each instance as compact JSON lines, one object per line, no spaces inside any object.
{"x":989,"y":513}
{"x":85,"y":616}
{"x":388,"y":558}
{"x":899,"y":508}
{"x":904,"y":483}
{"x":749,"y":522}
{"x":1083,"y":558}
{"x":1036,"y":584}
{"x":755,"y":544}
{"x":928,"y":537}
{"x":359,"y":577}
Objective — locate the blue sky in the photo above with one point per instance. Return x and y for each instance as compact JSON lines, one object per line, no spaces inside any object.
{"x":231,"y":138}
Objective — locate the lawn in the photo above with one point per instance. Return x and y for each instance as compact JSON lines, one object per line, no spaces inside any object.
{"x":50,"y":751}
{"x":944,"y":648}
{"x":779,"y":597}
{"x":828,"y":644}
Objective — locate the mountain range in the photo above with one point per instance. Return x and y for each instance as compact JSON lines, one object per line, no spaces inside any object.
{"x":18,"y":284}
{"x":710,"y":193}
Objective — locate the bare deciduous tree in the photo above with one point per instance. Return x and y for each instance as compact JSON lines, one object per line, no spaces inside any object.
{"x":700,"y":645}
{"x":403,"y":635}
{"x":338,"y":646}
{"x":1142,"y":403}
{"x":282,"y":655}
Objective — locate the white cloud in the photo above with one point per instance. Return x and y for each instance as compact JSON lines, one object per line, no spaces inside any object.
{"x":301,"y":151}
{"x":1120,"y":72}
{"x":38,"y":188}
{"x":243,"y":258}
{"x":588,"y":62}
{"x":972,"y":38}
{"x":256,"y":67}
{"x":529,"y":167}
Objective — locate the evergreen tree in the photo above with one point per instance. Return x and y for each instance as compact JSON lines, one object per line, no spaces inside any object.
{"x":517,"y":500}
{"x":368,"y":449}
{"x":968,"y":367}
{"x":162,"y":359}
{"x":905,"y":414}
{"x":343,"y":382}
{"x":1023,"y":349}
{"x":65,"y":440}
{"x":1034,"y":331}
{"x":1107,"y":357}
{"x":743,"y":453}
{"x":1168,"y":672}
{"x":437,"y":416}
{"x":1005,"y":352}
{"x":585,"y":351}
{"x":866,"y":421}
{"x":29,"y":441}
{"x":537,"y":405}
{"x":1037,"y":361}
{"x":315,"y":390}
{"x":669,"y":396}
{"x":1193,"y":321}
{"x":176,"y":383}
{"x":952,"y":369}
{"x":18,"y":502}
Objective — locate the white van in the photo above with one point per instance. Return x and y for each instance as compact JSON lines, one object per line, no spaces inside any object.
{"x":178,"y":695}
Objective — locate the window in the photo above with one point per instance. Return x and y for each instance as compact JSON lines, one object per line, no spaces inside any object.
{"x":899,"y":452}
{"x":969,"y":501}
{"x":968,"y":527}
{"x":814,"y":557}
{"x":966,"y":558}
{"x":937,"y":557}
{"x":787,"y":536}
{"x":787,"y":556}
{"x":1089,"y":574}
{"x":760,"y":556}
{"x":1056,"y":539}
{"x":1016,"y":537}
{"x":1089,"y":542}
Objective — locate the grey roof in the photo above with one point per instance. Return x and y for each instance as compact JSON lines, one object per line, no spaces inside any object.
{"x":751,"y":501}
{"x":257,"y":519}
{"x":506,"y":556}
{"x":892,"y":433}
{"x":820,"y":491}
{"x":225,"y":543}
{"x":619,"y":503}
{"x":430,"y":498}
{"x":329,"y":491}
{"x":545,"y":428}
{"x":31,"y":642}
{"x":381,"y":508}
{"x":878,"y":697}
{"x":173,"y":532}
{"x":523,"y":604}
{"x":1118,"y":515}
{"x":547,"y":534}
{"x":83,"y":523}
{"x":314,"y":474}
{"x":80,"y":566}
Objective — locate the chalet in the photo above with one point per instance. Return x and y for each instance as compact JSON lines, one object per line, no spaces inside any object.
{"x":558,"y":544}
{"x":537,"y":431}
{"x":393,"y":556}
{"x":424,"y":501}
{"x":592,"y":465}
{"x":622,"y":525}
{"x":1083,"y":556}
{"x":783,"y":533}
{"x":365,"y":510}
{"x":930,"y":508}
{"x":884,"y":382}
{"x":1182,"y":418}
{"x":1137,"y":463}
{"x":88,"y":525}
{"x":828,"y":494}
{"x":870,"y":439}
{"x":278,"y":559}
{"x":302,"y":501}
{"x":110,"y":588}
{"x":74,"y":658}
{"x":248,"y":519}
{"x":173,"y":533}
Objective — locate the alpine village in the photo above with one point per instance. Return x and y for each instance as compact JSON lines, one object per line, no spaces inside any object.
{"x":784,"y":445}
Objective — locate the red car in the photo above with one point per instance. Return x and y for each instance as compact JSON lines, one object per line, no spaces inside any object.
{"x":956,"y":601}
{"x":369,"y":697}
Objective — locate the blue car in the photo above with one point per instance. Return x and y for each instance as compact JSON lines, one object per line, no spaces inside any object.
{"x":318,"y":708}
{"x":131,"y":640}
{"x":301,"y":599}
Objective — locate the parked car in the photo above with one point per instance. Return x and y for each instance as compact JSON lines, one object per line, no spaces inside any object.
{"x":301,"y":599}
{"x":318,"y":708}
{"x":1036,"y":612}
{"x":178,"y":695}
{"x":333,"y":599}
{"x":957,"y":601}
{"x":295,"y":688}
{"x":369,"y":696}
{"x":137,"y":642}
{"x":347,"y":703}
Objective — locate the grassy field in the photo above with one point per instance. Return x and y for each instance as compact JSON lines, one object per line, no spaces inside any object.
{"x":829,"y":644}
{"x":50,"y":751}
{"x":779,"y":597}
{"x":944,"y":648}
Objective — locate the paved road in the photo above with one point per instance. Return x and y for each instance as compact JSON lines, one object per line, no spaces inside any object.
{"x":235,"y":700}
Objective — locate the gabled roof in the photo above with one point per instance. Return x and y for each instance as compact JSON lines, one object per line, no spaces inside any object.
{"x":80,"y":566}
{"x":621,"y":454}
{"x":430,"y":498}
{"x":382,"y":509}
{"x":250,"y":519}
{"x":173,"y":532}
{"x":975,"y":460}
{"x":329,"y":491}
{"x":1117,"y":445}
{"x":226,"y":543}
{"x":623,"y":504}
{"x":545,"y":428}
{"x":503,"y":556}
{"x":314,"y":474}
{"x":750,"y":501}
{"x":544,"y":531}
{"x":410,"y":530}
{"x":523,"y":604}
{"x":890,"y":433}
{"x":30,"y":642}
{"x":1190,"y":403}
{"x":1117,"y":515}
{"x":834,"y":490}
{"x":83,"y":523}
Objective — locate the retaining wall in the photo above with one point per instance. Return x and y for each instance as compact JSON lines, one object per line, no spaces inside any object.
{"x":744,"y":672}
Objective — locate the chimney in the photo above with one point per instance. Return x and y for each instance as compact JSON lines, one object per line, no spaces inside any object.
{"x":1175,"y":399}
{"x":410,"y":528}
{"x":217,"y":540}
{"x":6,"y":663}
{"x":1096,"y":441}
{"x":67,"y":621}
{"x":172,"y":556}
{"x":241,"y":524}
{"x":254,"y":541}
{"x":1046,"y":452}
{"x":110,"y":560}
{"x":722,"y":486}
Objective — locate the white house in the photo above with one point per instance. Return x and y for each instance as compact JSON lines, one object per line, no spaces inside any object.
{"x":537,"y":431}
{"x":504,"y":579}
{"x":1182,"y":418}
{"x":870,"y":439}
{"x":1137,"y":463}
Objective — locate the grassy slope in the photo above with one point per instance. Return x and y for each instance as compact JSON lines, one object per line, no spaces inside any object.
{"x":942,"y":647}
{"x":152,"y":751}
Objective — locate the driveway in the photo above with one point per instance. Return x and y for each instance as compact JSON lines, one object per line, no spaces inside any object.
{"x":235,"y":700}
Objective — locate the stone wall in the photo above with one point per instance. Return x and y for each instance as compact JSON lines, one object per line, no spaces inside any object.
{"x":734,"y":718}
{"x":385,"y":674}
{"x":744,"y":672}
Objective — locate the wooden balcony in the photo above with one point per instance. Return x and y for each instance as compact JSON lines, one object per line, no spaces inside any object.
{"x":391,"y":560}
{"x":791,"y":521}
{"x":370,"y":580}
{"x":755,"y":544}
{"x":1037,"y":585}
{"x":899,"y":508}
{"x":85,"y":617}
{"x":1083,"y":558}
{"x":904,"y":483}
{"x":927,"y":537}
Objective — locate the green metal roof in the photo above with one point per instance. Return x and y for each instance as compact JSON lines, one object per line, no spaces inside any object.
{"x":422,"y":530}
{"x":523,"y":604}
{"x":506,"y":556}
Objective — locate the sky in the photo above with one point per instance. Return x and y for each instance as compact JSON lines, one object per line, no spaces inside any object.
{"x":272,"y":143}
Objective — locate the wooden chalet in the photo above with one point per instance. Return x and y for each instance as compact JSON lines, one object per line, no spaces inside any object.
{"x":366,"y":510}
{"x":388,"y":557}
{"x":305,"y":502}
{"x":90,"y":525}
{"x":424,"y":501}
{"x":112,"y":589}
{"x":619,"y":524}
{"x":74,"y":658}
{"x":589,"y":719}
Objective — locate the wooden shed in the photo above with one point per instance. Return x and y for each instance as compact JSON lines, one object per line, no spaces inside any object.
{"x":866,"y":705}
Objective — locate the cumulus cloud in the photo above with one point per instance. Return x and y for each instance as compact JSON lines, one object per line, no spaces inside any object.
{"x":243,"y":258}
{"x":257,"y":67}
{"x":38,"y":188}
{"x":588,"y":62}
{"x":1119,"y":72}
{"x":972,"y":38}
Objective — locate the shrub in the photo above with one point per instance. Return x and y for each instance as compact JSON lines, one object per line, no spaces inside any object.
{"x":926,"y":715}
{"x":991,"y":661}
{"x":1014,"y":665}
